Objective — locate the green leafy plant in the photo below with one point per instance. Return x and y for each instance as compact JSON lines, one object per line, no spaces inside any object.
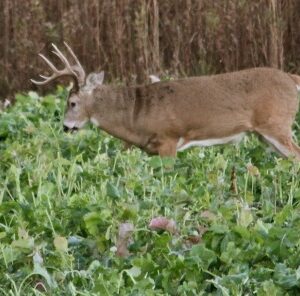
{"x":63,"y":198}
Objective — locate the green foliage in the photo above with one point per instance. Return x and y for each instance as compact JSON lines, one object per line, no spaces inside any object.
{"x":63,"y":197}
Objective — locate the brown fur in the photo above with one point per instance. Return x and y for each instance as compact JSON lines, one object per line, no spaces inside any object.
{"x":154,"y":117}
{"x":296,"y":78}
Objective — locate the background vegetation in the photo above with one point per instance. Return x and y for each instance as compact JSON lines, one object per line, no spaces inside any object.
{"x":79,"y":216}
{"x":132,"y":38}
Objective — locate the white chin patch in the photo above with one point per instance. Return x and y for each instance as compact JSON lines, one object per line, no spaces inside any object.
{"x":72,"y":124}
{"x":94,"y":121}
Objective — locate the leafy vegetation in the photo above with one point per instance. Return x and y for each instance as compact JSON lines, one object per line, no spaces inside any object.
{"x":64,"y":196}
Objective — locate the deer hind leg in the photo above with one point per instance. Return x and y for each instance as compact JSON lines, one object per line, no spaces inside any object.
{"x":167,"y":148}
{"x":296,"y":148}
{"x":275,"y":128}
{"x":283,"y":144}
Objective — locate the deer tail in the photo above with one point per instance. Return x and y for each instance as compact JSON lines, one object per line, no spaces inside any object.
{"x":296,"y":79}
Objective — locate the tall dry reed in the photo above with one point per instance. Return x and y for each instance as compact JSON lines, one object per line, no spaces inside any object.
{"x":130,"y":39}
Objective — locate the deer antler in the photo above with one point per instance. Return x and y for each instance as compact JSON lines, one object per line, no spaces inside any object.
{"x":75,"y":71}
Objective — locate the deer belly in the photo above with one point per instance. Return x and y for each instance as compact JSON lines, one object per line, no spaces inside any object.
{"x":184,"y":144}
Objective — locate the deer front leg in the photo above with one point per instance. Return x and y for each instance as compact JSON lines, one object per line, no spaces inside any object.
{"x":167,"y":148}
{"x":127,"y":146}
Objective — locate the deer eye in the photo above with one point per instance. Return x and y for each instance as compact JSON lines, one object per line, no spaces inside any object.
{"x":73,"y":104}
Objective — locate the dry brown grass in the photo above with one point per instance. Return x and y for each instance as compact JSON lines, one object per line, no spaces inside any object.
{"x":130,"y":39}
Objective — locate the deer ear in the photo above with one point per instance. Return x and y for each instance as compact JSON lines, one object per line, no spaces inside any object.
{"x":70,"y":86}
{"x":94,"y":79}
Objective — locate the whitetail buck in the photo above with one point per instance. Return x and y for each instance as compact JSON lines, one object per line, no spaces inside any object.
{"x":166,"y":117}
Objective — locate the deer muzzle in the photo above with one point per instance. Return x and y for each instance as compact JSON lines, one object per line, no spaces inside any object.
{"x":70,"y":130}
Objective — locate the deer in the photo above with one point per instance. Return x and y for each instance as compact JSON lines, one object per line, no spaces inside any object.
{"x":166,"y":117}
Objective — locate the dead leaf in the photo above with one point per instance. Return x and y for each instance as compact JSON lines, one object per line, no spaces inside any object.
{"x":193,"y":239}
{"x":208,"y":215}
{"x":124,"y":239}
{"x":202,"y":229}
{"x":233,"y":179}
{"x":40,"y":286}
{"x":163,"y":223}
{"x":253,"y":170}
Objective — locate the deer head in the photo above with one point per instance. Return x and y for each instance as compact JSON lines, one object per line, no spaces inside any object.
{"x":77,"y":111}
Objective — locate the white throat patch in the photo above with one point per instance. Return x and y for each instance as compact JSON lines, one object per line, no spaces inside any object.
{"x":94,"y":121}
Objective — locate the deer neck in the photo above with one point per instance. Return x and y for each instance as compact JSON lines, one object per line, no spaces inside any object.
{"x":111,"y":110}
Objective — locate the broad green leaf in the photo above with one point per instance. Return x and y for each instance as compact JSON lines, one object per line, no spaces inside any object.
{"x":23,"y":243}
{"x":245,"y":217}
{"x":134,"y":271}
{"x":203,"y":256}
{"x":112,"y":191}
{"x":39,"y":269}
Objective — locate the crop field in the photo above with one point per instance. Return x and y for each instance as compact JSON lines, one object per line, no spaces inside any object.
{"x":79,"y":215}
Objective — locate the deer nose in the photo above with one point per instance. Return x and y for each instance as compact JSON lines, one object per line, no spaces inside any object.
{"x":66,"y":129}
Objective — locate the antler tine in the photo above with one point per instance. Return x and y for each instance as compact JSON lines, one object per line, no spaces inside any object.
{"x":53,"y":68}
{"x":46,"y":79}
{"x":56,"y":73}
{"x":60,"y":55}
{"x":74,"y":56}
{"x":37,"y":82}
{"x":76,"y":71}
{"x":79,"y":67}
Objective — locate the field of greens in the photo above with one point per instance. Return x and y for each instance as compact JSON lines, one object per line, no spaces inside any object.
{"x":79,"y":215}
